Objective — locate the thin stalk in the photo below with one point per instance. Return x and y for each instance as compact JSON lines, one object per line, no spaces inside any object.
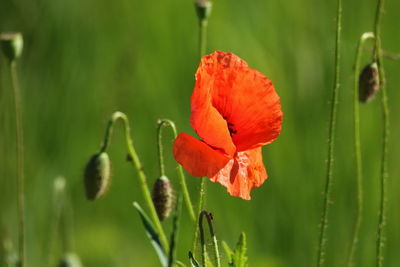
{"x":209,"y":218}
{"x":200,"y":208}
{"x":331,"y":141}
{"x":380,"y":241}
{"x":357,"y":147}
{"x":139,"y":169}
{"x":20,"y":163}
{"x":182,"y":179}
{"x":203,"y":23}
{"x":175,"y":232}
{"x":202,"y":241}
{"x":214,"y":240}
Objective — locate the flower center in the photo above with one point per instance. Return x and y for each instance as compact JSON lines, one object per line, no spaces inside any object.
{"x":231,"y":127}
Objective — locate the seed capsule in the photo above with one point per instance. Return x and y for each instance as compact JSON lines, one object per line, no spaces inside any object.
{"x":12,"y":44}
{"x":70,"y":260}
{"x":203,"y":9}
{"x":163,"y":197}
{"x":97,"y":176}
{"x":368,"y":84}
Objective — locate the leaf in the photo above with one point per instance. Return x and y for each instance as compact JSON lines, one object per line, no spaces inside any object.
{"x":193,"y":262}
{"x":239,"y":258}
{"x":152,"y":235}
{"x":228,"y":252}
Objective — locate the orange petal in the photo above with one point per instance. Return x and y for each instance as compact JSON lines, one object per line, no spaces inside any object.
{"x":242,"y":173}
{"x":242,"y":96}
{"x":208,"y":122}
{"x":196,"y":157}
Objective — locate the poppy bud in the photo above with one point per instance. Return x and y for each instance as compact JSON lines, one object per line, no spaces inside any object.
{"x":12,"y":44}
{"x":97,"y":175}
{"x":203,"y":9}
{"x":163,"y":197}
{"x":70,"y":260}
{"x":368,"y":84}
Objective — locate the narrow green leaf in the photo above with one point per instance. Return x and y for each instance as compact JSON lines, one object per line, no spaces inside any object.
{"x":239,"y":254}
{"x":179,"y":263}
{"x":152,"y":235}
{"x":193,"y":262}
{"x":228,"y":252}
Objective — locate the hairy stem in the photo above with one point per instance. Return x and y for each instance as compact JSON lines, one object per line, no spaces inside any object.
{"x":139,"y":168}
{"x":380,"y":241}
{"x":209,"y":218}
{"x":181,"y":175}
{"x":203,"y":23}
{"x":20,"y":163}
{"x":331,"y":142}
{"x":357,"y":148}
{"x":200,"y":208}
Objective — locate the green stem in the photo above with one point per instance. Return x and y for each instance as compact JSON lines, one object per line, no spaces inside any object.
{"x":331,"y":141}
{"x":182,"y":180}
{"x":160,"y":148}
{"x":175,"y":232}
{"x":209,"y":218}
{"x":200,"y":208}
{"x":357,"y":147}
{"x":139,"y":168}
{"x":203,"y":23}
{"x":20,"y":163}
{"x":202,"y":239}
{"x":385,"y":136}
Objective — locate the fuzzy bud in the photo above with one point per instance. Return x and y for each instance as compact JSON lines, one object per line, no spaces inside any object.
{"x":97,"y":176}
{"x":368,"y":84}
{"x":12,"y":44}
{"x":203,"y":9}
{"x":70,"y":260}
{"x":163,"y":197}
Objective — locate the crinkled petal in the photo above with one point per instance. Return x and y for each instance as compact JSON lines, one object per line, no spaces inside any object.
{"x":242,"y":173}
{"x":242,"y":96}
{"x":197,"y":157}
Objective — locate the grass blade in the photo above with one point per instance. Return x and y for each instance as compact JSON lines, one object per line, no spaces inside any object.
{"x":152,"y":235}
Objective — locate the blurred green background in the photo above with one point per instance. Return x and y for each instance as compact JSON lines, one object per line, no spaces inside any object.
{"x":84,"y":60}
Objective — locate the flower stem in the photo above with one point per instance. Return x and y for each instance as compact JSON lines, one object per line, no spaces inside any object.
{"x":331,"y":141}
{"x":200,"y":208}
{"x":203,"y":23}
{"x":20,"y":163}
{"x":175,"y":232}
{"x":209,"y":218}
{"x":357,"y":148}
{"x":139,"y":168}
{"x":385,"y":136}
{"x":182,"y":180}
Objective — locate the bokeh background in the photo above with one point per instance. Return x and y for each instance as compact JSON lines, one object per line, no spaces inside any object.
{"x":84,"y":60}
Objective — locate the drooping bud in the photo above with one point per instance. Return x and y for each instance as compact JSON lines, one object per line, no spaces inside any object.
{"x":97,"y":176}
{"x":12,"y":44}
{"x":163,"y":197}
{"x":70,"y":260}
{"x":368,"y":84}
{"x":203,"y":9}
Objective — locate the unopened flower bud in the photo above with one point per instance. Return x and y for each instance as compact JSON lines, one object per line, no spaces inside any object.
{"x":368,"y":84}
{"x":70,"y":260}
{"x":97,"y":175}
{"x":163,"y":197}
{"x":12,"y":44}
{"x":203,"y":9}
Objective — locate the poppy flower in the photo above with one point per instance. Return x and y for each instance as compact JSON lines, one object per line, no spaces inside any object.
{"x":235,"y":111}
